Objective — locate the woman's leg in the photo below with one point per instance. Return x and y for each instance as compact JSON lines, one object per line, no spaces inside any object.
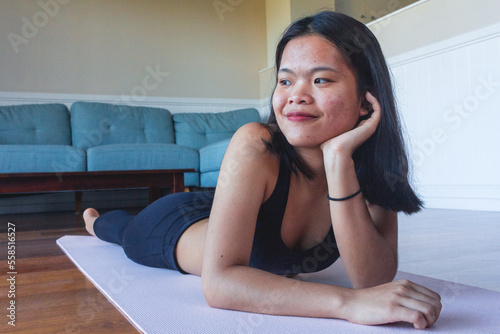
{"x":152,"y":235}
{"x":89,"y":217}
{"x":109,"y":227}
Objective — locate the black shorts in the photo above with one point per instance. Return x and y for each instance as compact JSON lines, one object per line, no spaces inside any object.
{"x":150,"y":237}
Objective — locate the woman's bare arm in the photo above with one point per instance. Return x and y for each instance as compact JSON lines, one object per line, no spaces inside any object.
{"x":367,"y":241}
{"x":367,"y":238}
{"x":228,"y":282}
{"x":247,"y":178}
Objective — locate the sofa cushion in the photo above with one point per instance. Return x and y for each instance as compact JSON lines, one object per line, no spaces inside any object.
{"x":209,"y":179}
{"x":192,"y":179}
{"x":41,"y":159}
{"x":95,"y":124}
{"x":200,"y":129}
{"x":141,"y":156}
{"x":35,"y":124}
{"x":211,"y":156}
{"x":145,"y":156}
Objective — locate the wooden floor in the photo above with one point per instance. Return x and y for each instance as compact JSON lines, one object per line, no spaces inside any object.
{"x":53,"y":296}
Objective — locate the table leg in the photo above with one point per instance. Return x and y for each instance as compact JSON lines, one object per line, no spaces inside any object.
{"x":78,"y":202}
{"x":178,"y":183}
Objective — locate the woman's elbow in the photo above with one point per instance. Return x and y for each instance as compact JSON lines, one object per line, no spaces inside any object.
{"x":368,"y":282}
{"x":212,"y":292}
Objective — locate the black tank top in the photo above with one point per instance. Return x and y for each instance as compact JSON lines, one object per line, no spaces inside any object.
{"x":270,"y":253}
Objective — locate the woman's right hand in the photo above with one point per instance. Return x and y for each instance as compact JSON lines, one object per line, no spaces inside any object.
{"x":392,"y":302}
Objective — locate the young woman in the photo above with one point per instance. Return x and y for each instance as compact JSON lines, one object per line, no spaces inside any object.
{"x":325,"y":178}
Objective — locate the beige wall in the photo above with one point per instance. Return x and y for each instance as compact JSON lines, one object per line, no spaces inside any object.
{"x":210,"y":49}
{"x":432,"y":21}
{"x":301,"y":8}
{"x":278,"y":17}
{"x":279,"y":14}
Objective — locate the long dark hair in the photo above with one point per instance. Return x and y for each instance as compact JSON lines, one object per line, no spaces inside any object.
{"x":381,"y":162}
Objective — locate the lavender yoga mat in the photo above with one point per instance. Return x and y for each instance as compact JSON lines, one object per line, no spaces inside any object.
{"x":164,"y":301}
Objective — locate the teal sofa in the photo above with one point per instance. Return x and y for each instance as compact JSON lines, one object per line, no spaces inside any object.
{"x":37,"y":138}
{"x":100,"y":136}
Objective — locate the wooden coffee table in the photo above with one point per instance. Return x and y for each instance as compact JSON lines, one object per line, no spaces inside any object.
{"x":154,"y":180}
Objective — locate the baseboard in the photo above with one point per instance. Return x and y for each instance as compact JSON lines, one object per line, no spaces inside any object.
{"x":461,"y":197}
{"x":173,"y":104}
{"x":65,"y":201}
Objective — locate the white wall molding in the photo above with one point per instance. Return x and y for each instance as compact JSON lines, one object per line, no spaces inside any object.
{"x":396,"y":12}
{"x":462,"y":197}
{"x":173,"y":104}
{"x":450,"y":44}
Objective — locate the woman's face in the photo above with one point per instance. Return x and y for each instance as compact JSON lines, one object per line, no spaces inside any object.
{"x":316,"y":97}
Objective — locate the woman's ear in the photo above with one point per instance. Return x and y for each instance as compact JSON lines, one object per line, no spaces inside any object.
{"x":366,"y":107}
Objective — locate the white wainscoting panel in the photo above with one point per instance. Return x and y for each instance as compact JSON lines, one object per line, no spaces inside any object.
{"x":449,"y":98}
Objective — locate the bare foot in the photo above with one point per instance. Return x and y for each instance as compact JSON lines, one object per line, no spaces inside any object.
{"x":89,"y":216}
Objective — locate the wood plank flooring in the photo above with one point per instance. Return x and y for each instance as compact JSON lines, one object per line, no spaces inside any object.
{"x":51,"y":294}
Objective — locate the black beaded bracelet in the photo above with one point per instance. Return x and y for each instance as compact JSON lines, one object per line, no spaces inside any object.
{"x":343,"y":198}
